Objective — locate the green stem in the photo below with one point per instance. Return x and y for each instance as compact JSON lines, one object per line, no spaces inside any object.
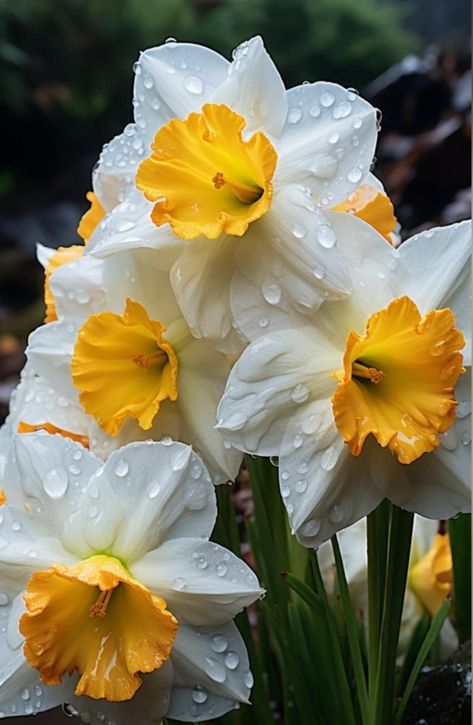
{"x":459,"y":530}
{"x":377,"y":542}
{"x":399,"y":546}
{"x":352,"y":631}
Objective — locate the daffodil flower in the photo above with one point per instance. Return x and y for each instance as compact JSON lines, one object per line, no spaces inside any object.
{"x":241,"y":171}
{"x":112,"y":597}
{"x":371,"y":399}
{"x":429,"y":578}
{"x":121,"y":359}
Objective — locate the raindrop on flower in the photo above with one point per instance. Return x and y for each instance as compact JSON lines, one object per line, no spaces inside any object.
{"x":272,"y":293}
{"x":354,"y":175}
{"x":178,"y":584}
{"x":318,"y":272}
{"x":300,"y":393}
{"x":463,"y":409}
{"x":214,"y":670}
{"x":294,"y":115}
{"x":154,"y":489}
{"x":193,"y":85}
{"x":263,"y":322}
{"x":148,"y":82}
{"x":299,"y":231}
{"x":336,"y":514}
{"x":121,"y":468}
{"x":449,"y":440}
{"x":221,"y":569}
{"x":311,"y":528}
{"x":326,"y":236}
{"x":55,"y":482}
{"x":327,"y":99}
{"x":125,"y":225}
{"x":248,"y":679}
{"x":199,"y":694}
{"x":231,"y":660}
{"x":357,"y":123}
{"x":334,"y":138}
{"x":301,"y":485}
{"x":25,"y":694}
{"x":219,"y":643}
{"x":342,"y":110}
{"x":315,"y":111}
{"x":3,"y":599}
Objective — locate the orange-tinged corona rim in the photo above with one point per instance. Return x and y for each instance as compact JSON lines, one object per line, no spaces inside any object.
{"x":123,"y":367}
{"x":91,"y":218}
{"x":373,"y":207}
{"x":24,"y":427}
{"x":94,"y":618}
{"x":205,"y":178}
{"x":63,"y":255}
{"x":398,"y":380}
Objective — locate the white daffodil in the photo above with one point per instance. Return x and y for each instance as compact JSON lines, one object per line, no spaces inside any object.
{"x":239,"y":170}
{"x":370,"y":399}
{"x":122,"y":360}
{"x":112,"y":597}
{"x":429,"y":578}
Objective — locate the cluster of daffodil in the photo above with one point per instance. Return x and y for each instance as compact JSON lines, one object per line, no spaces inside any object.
{"x":239,"y":290}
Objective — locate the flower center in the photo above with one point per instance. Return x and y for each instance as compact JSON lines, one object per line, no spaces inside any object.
{"x":94,"y":618}
{"x":123,"y":367}
{"x":397,"y":381}
{"x":205,"y":178}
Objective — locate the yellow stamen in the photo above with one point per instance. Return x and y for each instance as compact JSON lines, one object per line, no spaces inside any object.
{"x":361,"y":371}
{"x":415,"y":364}
{"x":205,"y":178}
{"x":99,"y":608}
{"x":124,"y":367}
{"x":373,"y":207}
{"x":109,"y":640}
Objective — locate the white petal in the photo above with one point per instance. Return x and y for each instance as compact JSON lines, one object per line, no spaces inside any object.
{"x":114,"y":176}
{"x":202,"y":582}
{"x":254,"y":88}
{"x":173,"y":80}
{"x":201,"y":280}
{"x":293,"y":250}
{"x":148,"y":706}
{"x":208,"y":661}
{"x":44,"y":254}
{"x":438,"y":484}
{"x":43,"y":474}
{"x":275,"y":375}
{"x":352,"y":543}
{"x":49,"y":352}
{"x":163,"y":492}
{"x":78,"y":289}
{"x":328,"y":141}
{"x":436,"y":272}
{"x":203,"y":373}
{"x":130,"y":227}
{"x":323,"y":486}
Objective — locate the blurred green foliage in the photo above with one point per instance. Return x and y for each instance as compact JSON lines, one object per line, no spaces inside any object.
{"x":65,"y":65}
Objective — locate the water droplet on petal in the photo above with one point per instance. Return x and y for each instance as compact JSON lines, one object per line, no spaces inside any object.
{"x":300,"y":393}
{"x":449,"y":440}
{"x":263,"y":322}
{"x":199,"y":694}
{"x":463,"y":409}
{"x":342,"y":110}
{"x":154,"y":489}
{"x":272,"y":293}
{"x":121,"y":468}
{"x":299,"y":231}
{"x":248,"y":679}
{"x":178,"y":584}
{"x":55,"y":482}
{"x":327,"y":99}
{"x":219,"y":643}
{"x":231,"y":660}
{"x":357,"y":123}
{"x":294,"y":115}
{"x":25,"y":694}
{"x":3,"y":599}
{"x":193,"y":85}
{"x":315,"y":111}
{"x":311,"y":528}
{"x":354,"y":175}
{"x":326,"y":236}
{"x":329,"y":458}
{"x":336,"y":514}
{"x":301,"y":485}
{"x":125,"y":225}
{"x":221,"y":569}
{"x":318,"y":272}
{"x":333,"y":138}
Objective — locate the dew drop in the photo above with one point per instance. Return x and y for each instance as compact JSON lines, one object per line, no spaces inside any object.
{"x":236,"y":421}
{"x":342,"y":110}
{"x":56,"y":482}
{"x":354,"y":175}
{"x":336,"y":514}
{"x":93,"y":511}
{"x":285,"y":491}
{"x":125,"y":225}
{"x":294,"y":115}
{"x":272,"y":293}
{"x":333,"y":138}
{"x":179,"y":460}
{"x":311,"y":528}
{"x":148,"y":82}
{"x":154,"y":489}
{"x":301,"y":485}
{"x":318,"y":272}
{"x":178,"y":584}
{"x":449,"y":440}
{"x":357,"y":123}
{"x":329,"y":458}
{"x":327,"y":99}
{"x":129,"y":130}
{"x":199,"y":694}
{"x":466,"y":438}
{"x":297,"y":441}
{"x":326,"y":236}
{"x":284,"y":475}
{"x":221,"y":569}
{"x":248,"y":679}
{"x":300,"y":393}
{"x":25,"y":694}
{"x":263,"y":322}
{"x":219,"y":643}
{"x":121,"y":468}
{"x":74,"y":469}
{"x":463,"y":409}
{"x":231,"y":660}
{"x":202,"y":564}
{"x":3,"y":599}
{"x":193,"y":85}
{"x":196,"y":471}
{"x":315,"y":111}
{"x":299,"y":231}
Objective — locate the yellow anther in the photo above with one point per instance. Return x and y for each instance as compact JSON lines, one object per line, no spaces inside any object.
{"x":362,"y":371}
{"x":99,"y":608}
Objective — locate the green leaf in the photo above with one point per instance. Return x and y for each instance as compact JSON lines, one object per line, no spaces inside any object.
{"x":459,"y":530}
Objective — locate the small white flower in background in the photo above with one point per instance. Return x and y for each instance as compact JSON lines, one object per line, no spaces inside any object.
{"x":242,"y":171}
{"x":370,"y":399}
{"x":429,"y":578}
{"x":107,"y":575}
{"x":123,"y":364}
